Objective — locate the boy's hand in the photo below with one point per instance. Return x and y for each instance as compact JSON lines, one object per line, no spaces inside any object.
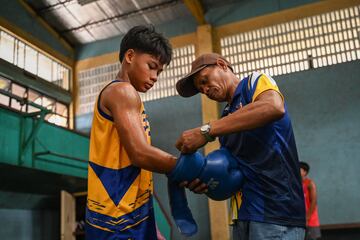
{"x":195,"y":186}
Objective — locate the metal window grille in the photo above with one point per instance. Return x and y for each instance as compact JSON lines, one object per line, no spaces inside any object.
{"x":22,"y":99}
{"x":91,"y":81}
{"x":179,"y":66}
{"x":298,"y":45}
{"x":21,"y":54}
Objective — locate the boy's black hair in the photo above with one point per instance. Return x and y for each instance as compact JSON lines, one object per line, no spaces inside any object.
{"x":305,"y":166}
{"x":146,"y":40}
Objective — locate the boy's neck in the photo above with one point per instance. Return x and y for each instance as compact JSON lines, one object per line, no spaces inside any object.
{"x":121,"y":75}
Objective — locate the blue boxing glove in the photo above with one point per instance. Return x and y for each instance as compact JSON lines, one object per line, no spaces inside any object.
{"x":187,"y":168}
{"x":220,"y":170}
{"x":222,"y":174}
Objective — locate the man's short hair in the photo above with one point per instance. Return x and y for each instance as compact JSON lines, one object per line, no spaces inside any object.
{"x":146,"y":40}
{"x":305,"y":166}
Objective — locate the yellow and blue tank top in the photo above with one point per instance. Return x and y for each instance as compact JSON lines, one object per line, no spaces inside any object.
{"x":272,"y":190}
{"x":119,"y":202}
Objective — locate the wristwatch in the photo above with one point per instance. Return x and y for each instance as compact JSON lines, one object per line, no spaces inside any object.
{"x":205,"y":131}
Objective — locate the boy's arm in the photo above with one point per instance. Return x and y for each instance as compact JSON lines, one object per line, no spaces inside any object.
{"x":123,"y":102}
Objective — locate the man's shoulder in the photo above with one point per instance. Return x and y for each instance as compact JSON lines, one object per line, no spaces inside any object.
{"x":256,"y":75}
{"x":251,"y":79}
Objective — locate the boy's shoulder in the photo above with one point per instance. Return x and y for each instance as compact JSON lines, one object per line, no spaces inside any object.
{"x":121,"y":93}
{"x":119,"y":87}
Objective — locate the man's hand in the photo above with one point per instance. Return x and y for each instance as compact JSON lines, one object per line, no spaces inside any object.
{"x":195,"y":186}
{"x":190,"y":141}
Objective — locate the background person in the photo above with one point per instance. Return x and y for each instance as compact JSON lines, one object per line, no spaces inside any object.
{"x":312,"y":217}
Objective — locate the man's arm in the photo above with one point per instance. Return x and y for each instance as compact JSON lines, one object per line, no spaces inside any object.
{"x":123,"y":103}
{"x":266,"y":108}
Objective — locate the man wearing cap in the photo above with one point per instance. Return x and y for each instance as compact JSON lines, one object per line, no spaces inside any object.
{"x":256,"y":128}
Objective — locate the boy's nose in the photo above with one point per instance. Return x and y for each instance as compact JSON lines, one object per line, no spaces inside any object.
{"x":153,"y":77}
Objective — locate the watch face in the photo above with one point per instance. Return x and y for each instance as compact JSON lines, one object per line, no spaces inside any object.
{"x":205,"y":128}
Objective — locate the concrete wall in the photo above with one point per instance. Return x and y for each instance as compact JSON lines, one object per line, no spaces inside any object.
{"x":245,"y":9}
{"x":25,"y":224}
{"x":169,"y":117}
{"x":324,"y":107}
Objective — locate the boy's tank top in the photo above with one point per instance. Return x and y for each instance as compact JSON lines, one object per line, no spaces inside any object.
{"x":119,"y":200}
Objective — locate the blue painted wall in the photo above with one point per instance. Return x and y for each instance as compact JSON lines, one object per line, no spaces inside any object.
{"x":324,"y":107}
{"x":169,"y":117}
{"x":26,"y":224}
{"x":15,"y":13}
{"x":83,"y":123}
{"x":98,"y":48}
{"x":241,"y":10}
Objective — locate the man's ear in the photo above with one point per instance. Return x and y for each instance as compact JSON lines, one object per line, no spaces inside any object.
{"x":129,"y":55}
{"x":221,"y":63}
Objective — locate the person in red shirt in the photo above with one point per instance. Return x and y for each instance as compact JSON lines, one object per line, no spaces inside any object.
{"x":312,"y":216}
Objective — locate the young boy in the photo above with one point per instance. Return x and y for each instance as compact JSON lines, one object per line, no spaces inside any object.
{"x":312,"y":217}
{"x":120,"y":186}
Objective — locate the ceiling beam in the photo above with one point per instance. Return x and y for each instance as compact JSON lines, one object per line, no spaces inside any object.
{"x":196,"y":10}
{"x":49,"y":28}
{"x":54,"y":6}
{"x":122,"y":16}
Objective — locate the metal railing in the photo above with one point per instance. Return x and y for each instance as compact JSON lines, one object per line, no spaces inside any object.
{"x":19,"y":100}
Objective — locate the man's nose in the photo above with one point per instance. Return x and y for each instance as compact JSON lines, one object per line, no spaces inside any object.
{"x":204,"y":89}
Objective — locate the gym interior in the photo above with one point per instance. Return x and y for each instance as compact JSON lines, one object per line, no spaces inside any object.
{"x":57,"y":55}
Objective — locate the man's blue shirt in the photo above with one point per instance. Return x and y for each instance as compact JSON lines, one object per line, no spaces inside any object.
{"x":272,"y":190}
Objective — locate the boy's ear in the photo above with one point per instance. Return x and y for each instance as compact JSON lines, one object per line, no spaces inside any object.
{"x":129,"y":55}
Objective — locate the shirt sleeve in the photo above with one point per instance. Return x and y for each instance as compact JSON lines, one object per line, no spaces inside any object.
{"x":261,"y":82}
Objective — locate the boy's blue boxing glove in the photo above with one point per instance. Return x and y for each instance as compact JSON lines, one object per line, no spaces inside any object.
{"x":220,"y":170}
{"x":187,"y":168}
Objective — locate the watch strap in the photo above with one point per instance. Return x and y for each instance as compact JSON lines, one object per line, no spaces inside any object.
{"x":207,"y":135}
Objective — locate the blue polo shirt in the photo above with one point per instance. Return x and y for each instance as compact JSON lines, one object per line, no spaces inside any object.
{"x":272,"y":190}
